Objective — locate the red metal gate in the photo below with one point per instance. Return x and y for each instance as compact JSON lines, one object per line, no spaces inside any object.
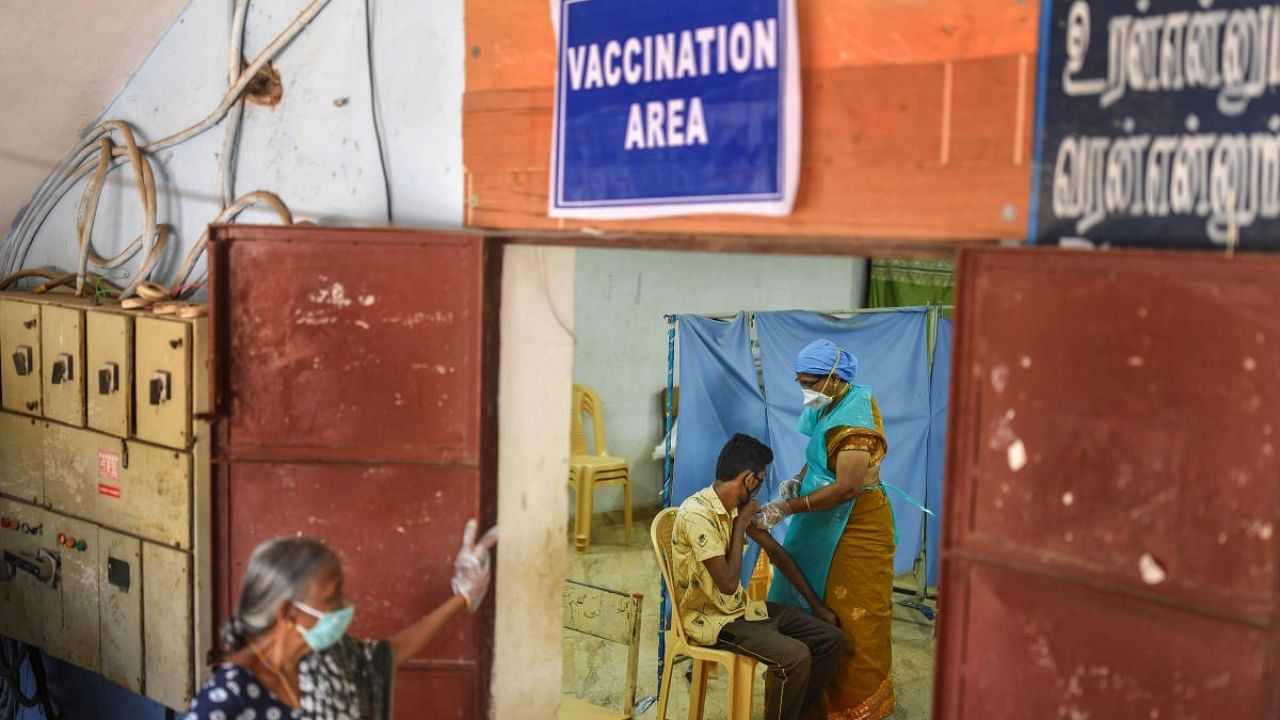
{"x":1112,"y":528}
{"x":350,"y":378}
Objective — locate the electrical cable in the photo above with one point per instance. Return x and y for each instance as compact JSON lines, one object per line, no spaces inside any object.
{"x":373,"y":103}
{"x":76,"y":164}
{"x":231,"y":137}
{"x":28,"y":273}
{"x":153,"y":239}
{"x":14,"y":653}
{"x":180,"y":285}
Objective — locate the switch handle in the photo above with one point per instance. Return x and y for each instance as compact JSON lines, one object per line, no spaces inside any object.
{"x":108,"y":379}
{"x":159,"y":388}
{"x":22,"y":360}
{"x":44,"y":566}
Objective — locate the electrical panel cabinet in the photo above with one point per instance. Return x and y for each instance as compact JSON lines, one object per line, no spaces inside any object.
{"x":105,"y":529}
{"x":131,"y":486}
{"x":109,"y":371}
{"x":120,"y":587}
{"x":20,"y":343}
{"x":22,"y":449}
{"x":162,"y":385}
{"x":166,"y":602}
{"x":62,"y":352}
{"x":72,"y":633}
{"x":27,"y":572}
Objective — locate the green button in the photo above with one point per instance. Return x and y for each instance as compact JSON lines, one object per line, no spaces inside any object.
{"x":81,"y":545}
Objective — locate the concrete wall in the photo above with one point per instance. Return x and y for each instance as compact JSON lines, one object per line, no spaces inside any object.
{"x":621,"y":348}
{"x":317,"y":148}
{"x":533,"y":459}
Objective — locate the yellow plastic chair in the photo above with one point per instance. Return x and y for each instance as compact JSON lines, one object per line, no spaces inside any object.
{"x":761,"y":578}
{"x":589,"y":470}
{"x":740,"y":668}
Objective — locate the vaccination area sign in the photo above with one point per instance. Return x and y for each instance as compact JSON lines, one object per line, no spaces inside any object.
{"x":1159,"y":123}
{"x":671,"y":107}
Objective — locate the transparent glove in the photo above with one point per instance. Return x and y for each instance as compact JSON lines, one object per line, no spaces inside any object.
{"x":472,"y":569}
{"x":789,"y":488}
{"x":772,"y":514}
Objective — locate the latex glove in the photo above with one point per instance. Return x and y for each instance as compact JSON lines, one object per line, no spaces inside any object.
{"x":789,"y":488}
{"x":472,"y":569}
{"x":772,"y":514}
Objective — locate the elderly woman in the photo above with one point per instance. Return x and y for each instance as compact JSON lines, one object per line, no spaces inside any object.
{"x":288,"y":653}
{"x":842,"y":535}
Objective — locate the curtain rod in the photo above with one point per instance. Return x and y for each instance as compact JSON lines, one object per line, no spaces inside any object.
{"x":862,"y":311}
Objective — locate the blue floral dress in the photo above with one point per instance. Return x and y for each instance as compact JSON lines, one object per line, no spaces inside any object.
{"x":233,"y":693}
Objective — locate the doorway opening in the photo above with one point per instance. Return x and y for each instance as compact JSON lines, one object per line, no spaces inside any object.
{"x":627,"y":326}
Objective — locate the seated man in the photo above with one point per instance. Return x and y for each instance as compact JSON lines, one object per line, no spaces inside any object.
{"x":801,"y":650}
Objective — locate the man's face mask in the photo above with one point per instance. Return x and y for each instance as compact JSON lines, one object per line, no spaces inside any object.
{"x":329,"y":627}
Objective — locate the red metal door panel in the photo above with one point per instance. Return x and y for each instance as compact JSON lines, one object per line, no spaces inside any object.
{"x":350,"y":374}
{"x":434,"y":696}
{"x":353,"y":345}
{"x":1035,"y":651}
{"x":1111,"y":451}
{"x":395,"y":526}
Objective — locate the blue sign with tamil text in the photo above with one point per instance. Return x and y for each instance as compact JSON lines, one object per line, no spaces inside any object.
{"x":1159,"y":123}
{"x":669,"y":107}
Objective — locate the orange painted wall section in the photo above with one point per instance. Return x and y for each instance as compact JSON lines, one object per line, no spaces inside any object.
{"x":918,"y":121}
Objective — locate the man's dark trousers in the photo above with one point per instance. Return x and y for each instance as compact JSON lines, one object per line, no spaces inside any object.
{"x":800,"y":650}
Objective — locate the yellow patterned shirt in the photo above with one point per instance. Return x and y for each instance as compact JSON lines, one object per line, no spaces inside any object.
{"x":702,"y":531}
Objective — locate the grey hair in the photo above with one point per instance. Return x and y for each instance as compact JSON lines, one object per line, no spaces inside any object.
{"x":278,"y":571}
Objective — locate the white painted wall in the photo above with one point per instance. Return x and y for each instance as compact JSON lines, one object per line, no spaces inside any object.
{"x":533,"y":460}
{"x":61,"y":63}
{"x":621,"y":348}
{"x":316,"y":149}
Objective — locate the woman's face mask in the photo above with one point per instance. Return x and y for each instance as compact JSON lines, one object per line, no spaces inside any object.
{"x":329,"y":627}
{"x":814,"y":399}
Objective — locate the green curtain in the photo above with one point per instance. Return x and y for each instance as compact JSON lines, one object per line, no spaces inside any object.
{"x":901,"y":283}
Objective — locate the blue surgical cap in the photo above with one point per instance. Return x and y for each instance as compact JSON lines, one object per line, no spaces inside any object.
{"x":820,"y":357}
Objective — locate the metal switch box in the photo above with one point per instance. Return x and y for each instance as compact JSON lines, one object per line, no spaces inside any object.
{"x":20,"y":339}
{"x":166,"y":603}
{"x":109,"y":357}
{"x":62,"y":341}
{"x":120,"y":604}
{"x":163,"y":366}
{"x":22,"y":456}
{"x":126,"y":485}
{"x":73,"y":634}
{"x":25,"y":597}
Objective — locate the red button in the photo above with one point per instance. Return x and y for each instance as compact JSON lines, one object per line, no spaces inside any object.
{"x":4,"y":522}
{"x":62,"y":538}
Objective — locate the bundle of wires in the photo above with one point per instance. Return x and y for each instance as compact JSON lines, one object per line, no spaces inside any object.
{"x":113,"y":143}
{"x":14,"y":658}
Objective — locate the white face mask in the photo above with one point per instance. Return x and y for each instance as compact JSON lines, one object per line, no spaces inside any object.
{"x":814,"y":399}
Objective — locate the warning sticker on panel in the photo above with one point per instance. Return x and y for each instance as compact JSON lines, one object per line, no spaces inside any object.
{"x":108,"y":490}
{"x":109,"y":465}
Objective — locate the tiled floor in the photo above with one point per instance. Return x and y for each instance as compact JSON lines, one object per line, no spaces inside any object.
{"x":594,"y":670}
